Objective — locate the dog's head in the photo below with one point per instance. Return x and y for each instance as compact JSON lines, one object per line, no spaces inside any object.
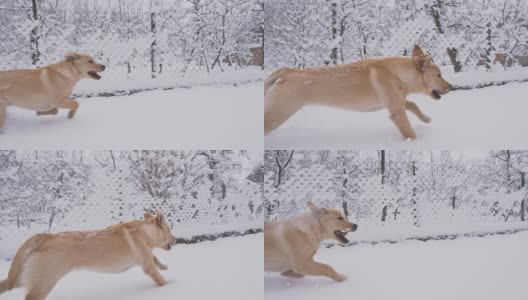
{"x":85,"y":65}
{"x":435,"y":85}
{"x":165,"y":239}
{"x":333,"y":222}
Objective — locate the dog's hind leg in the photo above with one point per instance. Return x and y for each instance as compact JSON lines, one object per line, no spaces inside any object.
{"x":318,"y":269}
{"x":69,"y":103}
{"x":160,"y":265}
{"x":412,"y":107}
{"x":52,"y":111}
{"x":278,"y":111}
{"x":40,"y":290}
{"x":291,"y":274}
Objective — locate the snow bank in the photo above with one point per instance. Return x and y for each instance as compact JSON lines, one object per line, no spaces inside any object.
{"x":397,"y":234}
{"x":479,"y":79}
{"x":119,"y":87}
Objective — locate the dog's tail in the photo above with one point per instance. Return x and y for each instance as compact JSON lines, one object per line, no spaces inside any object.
{"x":18,"y":262}
{"x":274,"y":77}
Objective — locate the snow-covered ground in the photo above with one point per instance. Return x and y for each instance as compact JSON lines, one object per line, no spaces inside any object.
{"x":199,"y":117}
{"x":491,"y":268}
{"x":229,"y":268}
{"x":465,"y":119}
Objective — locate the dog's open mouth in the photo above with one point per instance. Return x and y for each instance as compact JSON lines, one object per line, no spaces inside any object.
{"x":341,"y":236}
{"x":94,"y":75}
{"x":436,"y":94}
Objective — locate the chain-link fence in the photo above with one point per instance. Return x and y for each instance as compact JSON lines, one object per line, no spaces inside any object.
{"x":462,"y":36}
{"x":134,"y":42}
{"x":208,"y":193}
{"x":405,"y":192}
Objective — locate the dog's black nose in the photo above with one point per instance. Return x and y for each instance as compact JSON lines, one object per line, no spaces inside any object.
{"x":449,"y":87}
{"x":103,"y":67}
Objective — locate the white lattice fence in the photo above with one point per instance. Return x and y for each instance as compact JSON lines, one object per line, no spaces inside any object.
{"x":407,"y":207}
{"x":339,"y":32}
{"x":113,"y":198}
{"x":130,"y":47}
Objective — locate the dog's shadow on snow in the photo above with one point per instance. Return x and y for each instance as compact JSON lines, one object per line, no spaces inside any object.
{"x":276,"y":282}
{"x":344,"y":137}
{"x":109,"y":286}
{"x":23,"y":122}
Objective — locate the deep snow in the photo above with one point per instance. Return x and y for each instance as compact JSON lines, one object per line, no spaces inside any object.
{"x":229,"y":268}
{"x":199,"y":117}
{"x":464,"y":119}
{"x":491,"y":268}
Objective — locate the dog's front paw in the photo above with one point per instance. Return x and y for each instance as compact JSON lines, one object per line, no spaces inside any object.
{"x":161,"y":282}
{"x":409,"y":137}
{"x":340,"y":277}
{"x":71,"y":114}
{"x":426,"y":119}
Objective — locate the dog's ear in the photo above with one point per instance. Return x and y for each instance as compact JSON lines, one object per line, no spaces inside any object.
{"x":316,"y":211}
{"x":148,"y":216}
{"x":423,"y":61}
{"x":417,"y":51}
{"x":160,"y":218}
{"x":71,"y":56}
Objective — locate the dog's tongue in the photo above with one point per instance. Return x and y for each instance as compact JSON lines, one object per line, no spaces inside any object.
{"x":341,"y":235}
{"x":94,"y":75}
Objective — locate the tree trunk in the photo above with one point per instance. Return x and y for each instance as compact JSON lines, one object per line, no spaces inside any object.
{"x":35,"y":35}
{"x":508,"y":175}
{"x":382,"y":166}
{"x":523,"y":210}
{"x":345,"y":208}
{"x":281,"y":167}
{"x":435,"y":12}
{"x":452,"y":53}
{"x":153,"y":46}
{"x":263,"y":37}
{"x":333,"y":54}
{"x":384,"y":214}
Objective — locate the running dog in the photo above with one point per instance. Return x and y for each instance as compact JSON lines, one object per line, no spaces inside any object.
{"x":48,"y":88}
{"x":290,"y":245}
{"x":366,"y":85}
{"x":45,"y":258}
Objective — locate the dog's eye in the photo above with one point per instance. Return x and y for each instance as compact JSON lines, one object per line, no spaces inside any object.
{"x":90,"y":62}
{"x":340,"y":218}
